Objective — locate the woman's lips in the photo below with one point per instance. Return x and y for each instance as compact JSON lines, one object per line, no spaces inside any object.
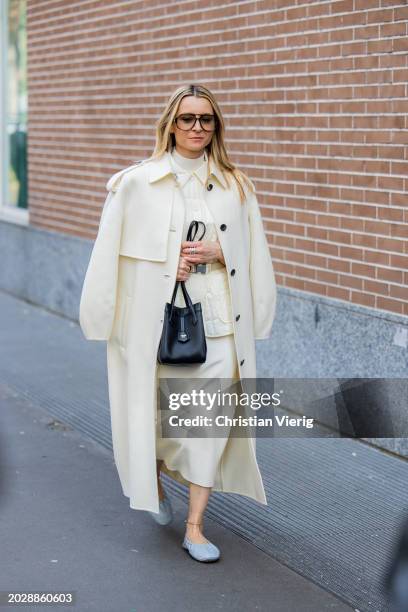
{"x":197,"y":138}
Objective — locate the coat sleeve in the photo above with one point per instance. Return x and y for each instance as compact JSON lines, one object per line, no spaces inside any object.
{"x":99,"y":290}
{"x":262,"y":275}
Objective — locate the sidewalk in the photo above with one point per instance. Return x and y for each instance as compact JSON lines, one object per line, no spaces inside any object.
{"x":66,"y":525}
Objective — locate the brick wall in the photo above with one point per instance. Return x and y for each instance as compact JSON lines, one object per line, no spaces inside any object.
{"x":315,"y":100}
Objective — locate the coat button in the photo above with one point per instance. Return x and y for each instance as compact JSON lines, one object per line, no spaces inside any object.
{"x":210,"y":186}
{"x":237,"y":317}
{"x":223,"y":227}
{"x":232,"y":271}
{"x":242,"y":362}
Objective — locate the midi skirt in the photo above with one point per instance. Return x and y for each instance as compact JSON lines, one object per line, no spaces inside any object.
{"x":197,"y":459}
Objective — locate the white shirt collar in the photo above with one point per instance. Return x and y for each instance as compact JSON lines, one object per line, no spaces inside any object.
{"x":186,"y":166}
{"x":161,"y":167}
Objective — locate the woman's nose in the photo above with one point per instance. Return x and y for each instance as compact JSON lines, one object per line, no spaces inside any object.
{"x":197,"y":125}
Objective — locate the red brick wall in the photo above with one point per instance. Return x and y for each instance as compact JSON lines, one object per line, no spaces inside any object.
{"x":315,"y":100}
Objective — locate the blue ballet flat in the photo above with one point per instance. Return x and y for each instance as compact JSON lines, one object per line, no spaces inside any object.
{"x":201,"y":552}
{"x":165,"y":514}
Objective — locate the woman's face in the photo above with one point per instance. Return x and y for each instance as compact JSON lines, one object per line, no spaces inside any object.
{"x":191,"y":142}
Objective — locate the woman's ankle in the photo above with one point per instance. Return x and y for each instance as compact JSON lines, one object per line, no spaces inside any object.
{"x":194,"y":524}
{"x":195,"y":533}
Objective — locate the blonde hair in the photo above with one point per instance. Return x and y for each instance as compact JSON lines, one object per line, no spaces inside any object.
{"x":215,"y":149}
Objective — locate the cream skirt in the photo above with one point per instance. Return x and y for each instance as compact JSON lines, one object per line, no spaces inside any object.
{"x":196,"y":459}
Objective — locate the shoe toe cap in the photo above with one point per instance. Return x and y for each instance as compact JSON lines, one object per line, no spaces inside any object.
{"x":202,"y":552}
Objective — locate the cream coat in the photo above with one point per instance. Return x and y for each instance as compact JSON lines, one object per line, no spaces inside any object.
{"x":131,"y":275}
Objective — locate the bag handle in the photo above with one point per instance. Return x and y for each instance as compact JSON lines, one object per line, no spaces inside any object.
{"x":191,"y":234}
{"x":194,"y":225}
{"x":187,"y":300}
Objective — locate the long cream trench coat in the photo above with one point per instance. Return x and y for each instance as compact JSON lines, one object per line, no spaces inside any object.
{"x":131,"y":275}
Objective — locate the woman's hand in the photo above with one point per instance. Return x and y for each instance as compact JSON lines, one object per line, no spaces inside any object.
{"x":206,"y":251}
{"x":183,"y":270}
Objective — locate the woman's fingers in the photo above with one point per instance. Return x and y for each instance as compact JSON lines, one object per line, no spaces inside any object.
{"x":184,"y":265}
{"x":206,"y":251}
{"x":186,"y":244}
{"x":183,"y":271}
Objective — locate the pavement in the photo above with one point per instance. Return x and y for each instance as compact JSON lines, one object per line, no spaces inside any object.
{"x":66,"y":526}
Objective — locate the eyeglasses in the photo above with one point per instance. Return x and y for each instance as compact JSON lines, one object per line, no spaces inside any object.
{"x":187,"y":121}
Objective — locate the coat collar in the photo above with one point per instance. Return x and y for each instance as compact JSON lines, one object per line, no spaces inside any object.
{"x":161,"y":167}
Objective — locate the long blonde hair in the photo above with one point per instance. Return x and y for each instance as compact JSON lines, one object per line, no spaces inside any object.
{"x":215,"y":149}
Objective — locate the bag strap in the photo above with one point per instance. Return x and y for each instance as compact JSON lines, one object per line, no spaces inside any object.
{"x":194,"y":225}
{"x":191,"y":234}
{"x":187,"y":300}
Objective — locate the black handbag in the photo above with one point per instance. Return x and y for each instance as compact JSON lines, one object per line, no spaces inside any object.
{"x":183,"y":336}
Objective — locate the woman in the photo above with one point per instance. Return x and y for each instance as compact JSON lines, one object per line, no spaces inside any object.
{"x":139,"y":253}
